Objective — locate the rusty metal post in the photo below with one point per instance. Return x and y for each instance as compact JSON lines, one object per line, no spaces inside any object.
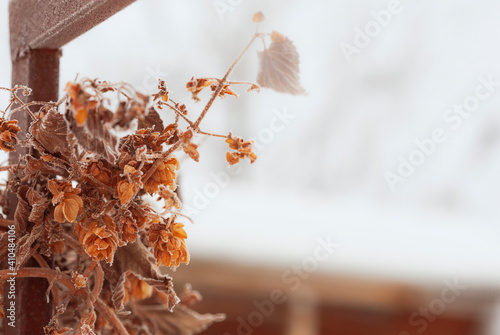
{"x":39,"y":70}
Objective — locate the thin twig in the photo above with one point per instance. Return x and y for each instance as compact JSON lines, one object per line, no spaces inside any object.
{"x":177,"y":112}
{"x":74,"y":244}
{"x":211,"y":134}
{"x":89,"y":269}
{"x":98,"y":281}
{"x":220,"y":86}
{"x":110,"y":316}
{"x":32,"y":103}
{"x":195,"y":126}
{"x":39,"y":273}
{"x":158,"y":161}
{"x":53,"y":289}
{"x":242,"y":83}
{"x":6,"y":223}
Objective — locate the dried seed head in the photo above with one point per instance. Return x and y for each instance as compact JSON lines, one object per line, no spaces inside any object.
{"x":258,"y":17}
{"x":8,"y":131}
{"x":79,"y":280}
{"x":99,"y":241}
{"x":168,"y":242}
{"x":164,"y":175}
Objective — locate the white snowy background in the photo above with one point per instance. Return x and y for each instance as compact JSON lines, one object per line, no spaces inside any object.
{"x":323,"y":174}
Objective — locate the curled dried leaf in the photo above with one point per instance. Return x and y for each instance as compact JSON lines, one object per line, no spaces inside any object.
{"x":38,"y":205}
{"x":225,"y":90}
{"x":51,"y":132}
{"x":80,"y":101}
{"x":95,"y":135}
{"x":136,"y":289}
{"x":243,"y":150}
{"x":151,"y":120}
{"x":195,"y":86}
{"x":134,"y":258}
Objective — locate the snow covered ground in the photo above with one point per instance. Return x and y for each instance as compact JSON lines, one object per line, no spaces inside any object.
{"x":325,"y":171}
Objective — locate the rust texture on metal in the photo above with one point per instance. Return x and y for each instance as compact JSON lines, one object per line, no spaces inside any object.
{"x":50,"y":24}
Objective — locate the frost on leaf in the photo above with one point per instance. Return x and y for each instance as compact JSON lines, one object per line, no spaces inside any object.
{"x":182,"y":321}
{"x":51,"y":132}
{"x":94,"y":135}
{"x":23,"y":210}
{"x":151,"y":120}
{"x":38,"y":205}
{"x":135,"y":259}
{"x":279,"y":66}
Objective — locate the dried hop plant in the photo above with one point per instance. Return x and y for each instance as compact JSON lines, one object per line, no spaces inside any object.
{"x":84,"y":173}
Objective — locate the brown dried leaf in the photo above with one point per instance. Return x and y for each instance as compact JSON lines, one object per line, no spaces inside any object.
{"x":53,"y":328}
{"x":182,"y":321}
{"x":191,"y":150}
{"x":94,"y":135}
{"x":25,"y":243}
{"x":51,"y":131}
{"x":38,"y":203}
{"x":279,"y":66}
{"x":151,"y":120}
{"x":254,"y":87}
{"x":35,"y":166}
{"x":136,"y":259}
{"x":170,"y":197}
{"x":23,"y":211}
{"x":189,"y":296}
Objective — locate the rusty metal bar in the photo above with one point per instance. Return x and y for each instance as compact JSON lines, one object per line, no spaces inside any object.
{"x":50,"y":24}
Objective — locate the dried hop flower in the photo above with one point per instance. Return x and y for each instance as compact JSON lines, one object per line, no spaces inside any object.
{"x":99,"y":241}
{"x":128,"y":228}
{"x":8,"y":131}
{"x":168,"y":242}
{"x":164,"y":175}
{"x":69,"y":204}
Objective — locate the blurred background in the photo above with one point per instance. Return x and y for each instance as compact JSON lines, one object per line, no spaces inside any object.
{"x":357,"y":228}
